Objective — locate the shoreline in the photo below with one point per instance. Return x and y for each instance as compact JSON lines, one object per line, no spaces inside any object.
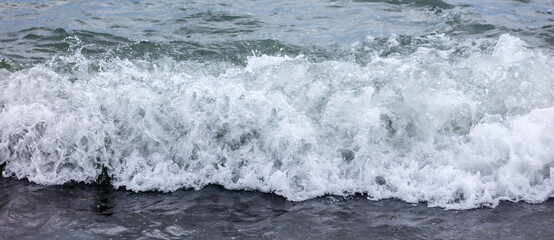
{"x":89,"y":211}
{"x":105,"y":183}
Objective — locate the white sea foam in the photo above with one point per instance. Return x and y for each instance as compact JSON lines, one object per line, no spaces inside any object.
{"x":456,"y":131}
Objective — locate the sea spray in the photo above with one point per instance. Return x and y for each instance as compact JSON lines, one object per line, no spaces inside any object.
{"x":455,"y":123}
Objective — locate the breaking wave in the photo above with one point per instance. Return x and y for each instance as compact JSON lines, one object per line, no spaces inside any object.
{"x":455,"y":123}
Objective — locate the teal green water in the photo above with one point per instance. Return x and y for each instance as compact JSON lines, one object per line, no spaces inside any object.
{"x":33,"y":32}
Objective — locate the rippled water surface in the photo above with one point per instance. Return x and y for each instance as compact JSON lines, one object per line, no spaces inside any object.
{"x":232,"y":30}
{"x":80,"y":211}
{"x":446,"y":104}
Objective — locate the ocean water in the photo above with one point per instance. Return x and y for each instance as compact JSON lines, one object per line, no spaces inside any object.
{"x":79,"y":211}
{"x":445,"y":103}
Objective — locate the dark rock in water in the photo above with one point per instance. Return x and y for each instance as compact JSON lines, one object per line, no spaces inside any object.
{"x":2,"y":167}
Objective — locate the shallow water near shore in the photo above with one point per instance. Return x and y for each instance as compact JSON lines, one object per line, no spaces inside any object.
{"x":80,"y":211}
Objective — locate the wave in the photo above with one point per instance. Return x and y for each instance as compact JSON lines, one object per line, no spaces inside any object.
{"x":458,"y":127}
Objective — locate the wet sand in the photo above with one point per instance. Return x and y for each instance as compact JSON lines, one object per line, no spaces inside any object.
{"x":81,"y":211}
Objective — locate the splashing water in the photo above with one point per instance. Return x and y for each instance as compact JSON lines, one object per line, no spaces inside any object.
{"x":457,"y":124}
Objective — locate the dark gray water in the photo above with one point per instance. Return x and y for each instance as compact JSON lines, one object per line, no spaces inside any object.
{"x":79,"y":211}
{"x":446,"y":104}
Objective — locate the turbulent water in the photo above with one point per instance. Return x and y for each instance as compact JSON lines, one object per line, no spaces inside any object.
{"x":445,"y":102}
